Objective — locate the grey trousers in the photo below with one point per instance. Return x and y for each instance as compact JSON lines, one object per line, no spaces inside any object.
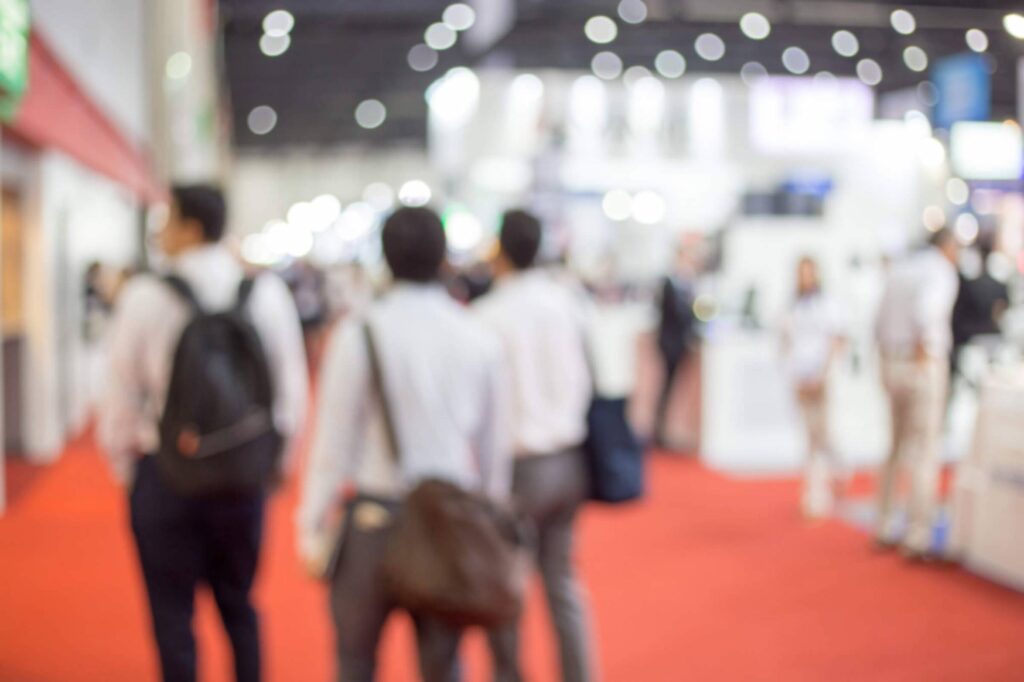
{"x":360,"y":607}
{"x":549,"y":490}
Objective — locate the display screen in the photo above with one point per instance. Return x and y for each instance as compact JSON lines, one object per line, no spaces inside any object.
{"x":987,"y":151}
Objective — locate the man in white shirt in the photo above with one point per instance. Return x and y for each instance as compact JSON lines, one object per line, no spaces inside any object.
{"x":914,"y":332}
{"x":442,"y":380}
{"x":540,"y":323}
{"x":183,"y":541}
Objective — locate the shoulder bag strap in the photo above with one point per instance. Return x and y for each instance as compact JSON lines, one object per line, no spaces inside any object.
{"x":184,"y":292}
{"x":377,"y":379}
{"x":245,"y":288}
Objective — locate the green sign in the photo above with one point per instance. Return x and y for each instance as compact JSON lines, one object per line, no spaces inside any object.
{"x":14,"y":26}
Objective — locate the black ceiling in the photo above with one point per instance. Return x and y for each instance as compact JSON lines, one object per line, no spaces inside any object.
{"x":345,"y":51}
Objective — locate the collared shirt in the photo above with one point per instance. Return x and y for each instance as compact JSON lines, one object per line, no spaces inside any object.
{"x":442,"y":377}
{"x":541,"y":326}
{"x":144,"y":333}
{"x":917,"y":306}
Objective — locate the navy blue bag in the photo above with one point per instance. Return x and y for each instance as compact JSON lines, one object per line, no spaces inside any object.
{"x":614,"y":454}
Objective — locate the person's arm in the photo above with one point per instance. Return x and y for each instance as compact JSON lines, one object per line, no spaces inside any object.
{"x":935,"y":302}
{"x":278,"y":322}
{"x":494,"y":435}
{"x":121,"y":408}
{"x":339,"y":432}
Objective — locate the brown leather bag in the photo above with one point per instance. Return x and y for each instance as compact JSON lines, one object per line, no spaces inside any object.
{"x":452,"y":553}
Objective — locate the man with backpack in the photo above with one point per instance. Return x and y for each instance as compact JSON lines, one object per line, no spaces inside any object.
{"x":207,"y":386}
{"x":411,"y":411}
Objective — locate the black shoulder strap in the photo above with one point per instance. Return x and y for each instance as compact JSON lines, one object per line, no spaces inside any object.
{"x":244,"y":292}
{"x":377,"y":378}
{"x":184,"y":292}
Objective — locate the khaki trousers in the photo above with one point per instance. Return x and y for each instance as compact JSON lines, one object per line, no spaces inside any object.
{"x":917,"y":397}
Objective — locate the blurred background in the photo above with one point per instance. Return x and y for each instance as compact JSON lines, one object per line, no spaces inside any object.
{"x":734,"y":136}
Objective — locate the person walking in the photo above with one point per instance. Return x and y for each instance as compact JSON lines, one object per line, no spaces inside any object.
{"x":185,"y":539}
{"x":441,"y":374}
{"x":812,"y":338}
{"x":914,"y":334}
{"x":541,"y":326}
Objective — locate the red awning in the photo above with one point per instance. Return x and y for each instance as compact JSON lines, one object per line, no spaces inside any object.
{"x":56,"y":113}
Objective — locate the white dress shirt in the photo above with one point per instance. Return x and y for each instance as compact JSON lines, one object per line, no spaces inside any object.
{"x":442,"y":375}
{"x":541,"y":325}
{"x":917,"y":306}
{"x":143,"y":337}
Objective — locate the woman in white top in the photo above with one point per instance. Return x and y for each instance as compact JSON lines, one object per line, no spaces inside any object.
{"x":812,"y":339}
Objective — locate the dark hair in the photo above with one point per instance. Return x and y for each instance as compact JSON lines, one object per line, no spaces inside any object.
{"x":941,"y":238}
{"x":202,"y":203}
{"x":414,"y":244}
{"x":520,"y":238}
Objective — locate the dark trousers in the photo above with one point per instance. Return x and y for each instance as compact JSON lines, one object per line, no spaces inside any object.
{"x":183,"y":542}
{"x":360,"y":604}
{"x":672,"y":360}
{"x":549,"y":490}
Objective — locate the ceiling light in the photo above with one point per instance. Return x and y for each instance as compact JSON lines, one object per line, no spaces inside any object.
{"x":326,"y":209}
{"x":1014,"y":25}
{"x":648,"y":208}
{"x":415,"y":193}
{"x":357,"y":221}
{"x":710,"y":47}
{"x":796,"y":61}
{"x":527,"y":87}
{"x":869,"y":72}
{"x":617,"y":205}
{"x":635,"y":74}
{"x":752,"y":71}
{"x":915,"y":58}
{"x":967,"y":228}
{"x":600,"y":30}
{"x":957,"y":191}
{"x":934,"y":218}
{"x":439,"y":36}
{"x":845,"y":43}
{"x":301,"y":213}
{"x":825,"y":78}
{"x":633,"y":11}
{"x":179,"y":66}
{"x":379,"y":196}
{"x":262,"y":120}
{"x":453,"y":99}
{"x":670,"y":64}
{"x":755,"y":26}
{"x":606,"y":65}
{"x":275,"y":46}
{"x":903,"y":22}
{"x":463,"y":230}
{"x":459,"y":17}
{"x":977,"y":40}
{"x":422,"y":58}
{"x":371,"y":113}
{"x":278,"y":23}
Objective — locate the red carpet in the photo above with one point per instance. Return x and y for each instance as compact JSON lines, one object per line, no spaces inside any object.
{"x":712,"y":579}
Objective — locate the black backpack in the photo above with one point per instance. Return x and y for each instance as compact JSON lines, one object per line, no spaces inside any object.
{"x":217,"y":432}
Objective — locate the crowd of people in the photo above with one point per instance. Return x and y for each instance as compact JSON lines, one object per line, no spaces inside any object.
{"x":484,"y":384}
{"x":491,"y":398}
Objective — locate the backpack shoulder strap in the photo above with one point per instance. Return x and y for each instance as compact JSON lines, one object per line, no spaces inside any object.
{"x":245,"y":288}
{"x":377,"y":379}
{"x":184,"y":292}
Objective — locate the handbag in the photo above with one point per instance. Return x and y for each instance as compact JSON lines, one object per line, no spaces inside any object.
{"x":452,"y":553}
{"x":614,"y":454}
